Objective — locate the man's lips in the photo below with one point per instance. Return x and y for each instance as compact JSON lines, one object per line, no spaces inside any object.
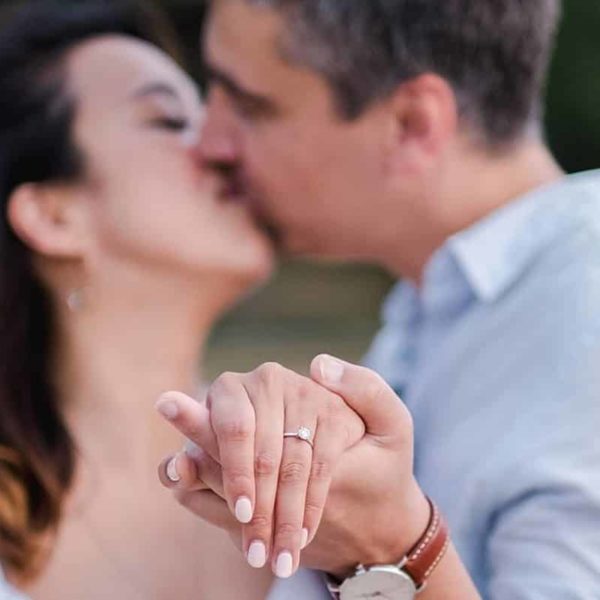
{"x":235,"y":191}
{"x":239,"y":193}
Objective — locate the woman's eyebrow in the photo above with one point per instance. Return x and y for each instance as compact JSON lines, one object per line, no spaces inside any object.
{"x":156,"y":88}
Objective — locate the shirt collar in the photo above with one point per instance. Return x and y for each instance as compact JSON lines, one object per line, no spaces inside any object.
{"x":484,"y":260}
{"x":497,"y":250}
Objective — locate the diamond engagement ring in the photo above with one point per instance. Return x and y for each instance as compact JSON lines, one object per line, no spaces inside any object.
{"x":303,"y":433}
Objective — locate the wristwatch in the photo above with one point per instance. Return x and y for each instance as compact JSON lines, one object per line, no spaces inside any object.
{"x":404,"y":580}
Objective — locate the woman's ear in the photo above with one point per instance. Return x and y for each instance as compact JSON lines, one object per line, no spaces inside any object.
{"x":47,"y":219}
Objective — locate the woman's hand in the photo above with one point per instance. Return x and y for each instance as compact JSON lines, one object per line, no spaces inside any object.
{"x":275,"y":486}
{"x":375,"y":510}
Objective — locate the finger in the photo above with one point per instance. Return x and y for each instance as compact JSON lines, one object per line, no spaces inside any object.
{"x":329,"y":444}
{"x":365,"y":392}
{"x":294,"y":474}
{"x":265,"y":389}
{"x":233,"y":420}
{"x":191,"y":418}
{"x":209,"y":470}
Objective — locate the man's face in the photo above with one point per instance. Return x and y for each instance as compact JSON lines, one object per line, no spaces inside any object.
{"x":314,"y":178}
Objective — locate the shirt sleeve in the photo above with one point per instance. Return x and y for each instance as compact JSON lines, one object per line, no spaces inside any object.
{"x":544,"y":538}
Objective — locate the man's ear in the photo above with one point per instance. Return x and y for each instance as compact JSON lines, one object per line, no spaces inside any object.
{"x":46,"y":218}
{"x":425,"y":119}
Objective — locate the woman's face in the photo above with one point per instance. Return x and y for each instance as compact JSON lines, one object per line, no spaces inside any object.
{"x":149,"y":203}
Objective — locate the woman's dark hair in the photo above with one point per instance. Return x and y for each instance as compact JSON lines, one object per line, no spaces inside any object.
{"x":37,"y":453}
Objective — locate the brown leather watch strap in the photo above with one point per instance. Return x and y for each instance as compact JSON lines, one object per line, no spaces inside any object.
{"x":427,"y":553}
{"x":421,"y":560}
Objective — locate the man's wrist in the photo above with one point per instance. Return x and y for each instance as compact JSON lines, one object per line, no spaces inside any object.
{"x":407,"y":576}
{"x":407,"y":526}
{"x":404,"y":527}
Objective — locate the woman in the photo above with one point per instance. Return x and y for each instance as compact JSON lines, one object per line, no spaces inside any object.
{"x":118,"y":251}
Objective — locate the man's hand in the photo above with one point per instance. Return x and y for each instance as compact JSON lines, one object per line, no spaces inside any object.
{"x":375,"y":511}
{"x":275,"y":486}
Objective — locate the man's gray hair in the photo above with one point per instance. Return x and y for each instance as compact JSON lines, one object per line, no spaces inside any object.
{"x":494,"y":53}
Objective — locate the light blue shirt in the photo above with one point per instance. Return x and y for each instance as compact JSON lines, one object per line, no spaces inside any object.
{"x":497,"y":356}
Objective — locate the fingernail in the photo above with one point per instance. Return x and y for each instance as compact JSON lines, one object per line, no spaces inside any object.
{"x":257,"y":555}
{"x":194,"y":451}
{"x":172,"y":472}
{"x":243,"y":510}
{"x":168,"y":409}
{"x":304,"y":539}
{"x":332,"y":370}
{"x":284,"y":565}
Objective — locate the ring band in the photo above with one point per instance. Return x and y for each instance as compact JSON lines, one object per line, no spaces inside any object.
{"x":303,"y":433}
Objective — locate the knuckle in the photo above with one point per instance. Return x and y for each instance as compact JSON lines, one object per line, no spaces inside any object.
{"x":261,"y":523}
{"x":233,"y":430}
{"x":320,"y":471}
{"x":293,"y":472}
{"x":268,"y":373}
{"x":312,"y":511}
{"x":224,"y":382}
{"x":265,"y":465}
{"x":286,"y":530}
{"x":305,"y":391}
{"x":237,"y":479}
{"x":374,"y":387}
{"x":337,"y":419}
{"x":333,"y":408}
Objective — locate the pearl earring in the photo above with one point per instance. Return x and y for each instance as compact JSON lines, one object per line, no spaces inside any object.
{"x":75,"y":300}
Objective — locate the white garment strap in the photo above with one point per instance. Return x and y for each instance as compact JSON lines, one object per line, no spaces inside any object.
{"x":7,"y":592}
{"x":305,"y":585}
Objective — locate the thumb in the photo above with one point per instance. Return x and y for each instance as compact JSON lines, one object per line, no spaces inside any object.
{"x":365,"y":392}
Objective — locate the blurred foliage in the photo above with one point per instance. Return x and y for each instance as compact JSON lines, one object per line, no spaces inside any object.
{"x":573,"y":113}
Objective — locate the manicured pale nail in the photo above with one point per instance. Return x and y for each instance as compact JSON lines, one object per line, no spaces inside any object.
{"x":257,"y":555}
{"x":304,"y":539}
{"x":243,"y":510}
{"x":332,"y":370}
{"x":194,"y":451}
{"x":168,"y":409}
{"x":284,"y":566}
{"x":172,"y":472}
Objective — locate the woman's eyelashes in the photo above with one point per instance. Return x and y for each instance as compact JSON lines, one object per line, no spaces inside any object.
{"x":171,"y":123}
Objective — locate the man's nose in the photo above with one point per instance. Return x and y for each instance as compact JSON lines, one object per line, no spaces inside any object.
{"x":218,"y":142}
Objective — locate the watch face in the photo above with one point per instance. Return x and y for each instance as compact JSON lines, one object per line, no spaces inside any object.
{"x":381,"y":583}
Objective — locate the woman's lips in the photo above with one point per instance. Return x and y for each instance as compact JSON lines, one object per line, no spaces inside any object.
{"x":234,"y":191}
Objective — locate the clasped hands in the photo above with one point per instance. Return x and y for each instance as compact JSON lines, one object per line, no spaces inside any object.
{"x":348,"y":497}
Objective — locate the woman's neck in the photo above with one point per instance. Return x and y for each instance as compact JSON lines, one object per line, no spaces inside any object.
{"x":114,"y":361}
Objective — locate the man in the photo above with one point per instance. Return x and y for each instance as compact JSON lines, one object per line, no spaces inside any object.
{"x":407,"y":133}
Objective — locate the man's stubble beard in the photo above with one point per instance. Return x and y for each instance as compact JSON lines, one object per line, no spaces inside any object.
{"x":244,"y":188}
